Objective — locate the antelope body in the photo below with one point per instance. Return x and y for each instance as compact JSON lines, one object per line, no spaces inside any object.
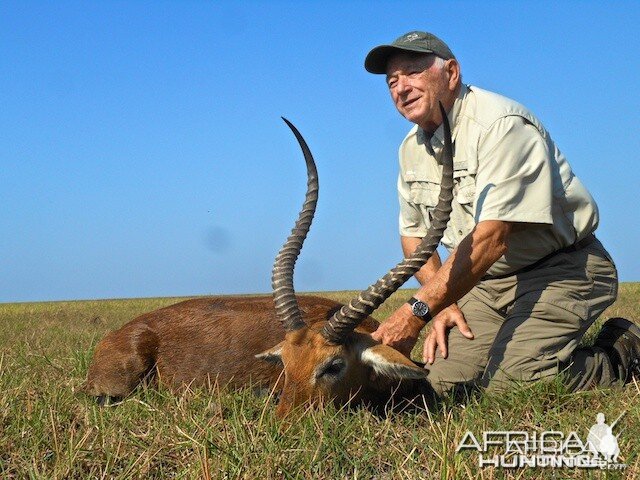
{"x":203,"y":341}
{"x":324,"y":348}
{"x":197,"y":342}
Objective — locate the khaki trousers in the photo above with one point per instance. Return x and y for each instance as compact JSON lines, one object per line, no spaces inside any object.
{"x":528,"y":326}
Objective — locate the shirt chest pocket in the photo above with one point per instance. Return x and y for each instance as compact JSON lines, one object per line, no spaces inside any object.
{"x":464,"y":187}
{"x":426,"y":192}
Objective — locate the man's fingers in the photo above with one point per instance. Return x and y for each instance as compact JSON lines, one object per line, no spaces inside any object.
{"x":430,"y":349}
{"x":404,"y":346}
{"x":441,"y":338}
{"x":464,"y":329}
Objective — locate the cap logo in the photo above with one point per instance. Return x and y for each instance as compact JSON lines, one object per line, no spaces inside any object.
{"x":411,"y":37}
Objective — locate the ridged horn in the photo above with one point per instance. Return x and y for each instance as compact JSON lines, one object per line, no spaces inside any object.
{"x":349,"y":316}
{"x":287,"y":309}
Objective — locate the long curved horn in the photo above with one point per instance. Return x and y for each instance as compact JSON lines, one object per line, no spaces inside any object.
{"x":349,"y":317}
{"x":287,"y":309}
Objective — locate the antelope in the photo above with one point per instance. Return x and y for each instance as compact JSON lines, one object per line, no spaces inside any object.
{"x":312,"y":349}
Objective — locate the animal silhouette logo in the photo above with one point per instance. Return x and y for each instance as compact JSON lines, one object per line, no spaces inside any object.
{"x":602,"y":441}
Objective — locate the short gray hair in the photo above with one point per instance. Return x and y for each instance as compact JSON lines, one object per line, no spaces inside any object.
{"x":438,"y":62}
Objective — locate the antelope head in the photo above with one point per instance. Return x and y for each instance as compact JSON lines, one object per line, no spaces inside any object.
{"x":336,"y":359}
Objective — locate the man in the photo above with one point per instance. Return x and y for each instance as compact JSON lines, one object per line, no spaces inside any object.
{"x":526,"y":276}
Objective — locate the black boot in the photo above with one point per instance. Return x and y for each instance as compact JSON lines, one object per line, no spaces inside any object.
{"x":620,"y":338}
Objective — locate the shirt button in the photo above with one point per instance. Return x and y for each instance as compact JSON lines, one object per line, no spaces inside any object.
{"x":459,"y":232}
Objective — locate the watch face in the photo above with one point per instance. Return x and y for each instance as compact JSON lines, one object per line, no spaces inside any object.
{"x":420,"y":309}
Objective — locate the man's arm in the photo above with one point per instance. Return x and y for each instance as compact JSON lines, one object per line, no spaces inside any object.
{"x":468,"y":262}
{"x":451,"y":315}
{"x":429,"y":269}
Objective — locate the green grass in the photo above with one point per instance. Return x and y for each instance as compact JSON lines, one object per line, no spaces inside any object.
{"x":49,"y":430}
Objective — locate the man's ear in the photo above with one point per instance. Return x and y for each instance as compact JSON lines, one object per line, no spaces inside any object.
{"x":273,"y":355}
{"x":388,"y":362}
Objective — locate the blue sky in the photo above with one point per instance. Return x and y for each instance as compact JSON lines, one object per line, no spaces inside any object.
{"x":142,"y":151}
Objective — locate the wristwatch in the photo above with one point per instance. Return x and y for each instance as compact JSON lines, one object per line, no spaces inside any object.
{"x":420,"y":309}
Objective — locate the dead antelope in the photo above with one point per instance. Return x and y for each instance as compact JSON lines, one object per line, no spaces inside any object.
{"x":324,"y":347}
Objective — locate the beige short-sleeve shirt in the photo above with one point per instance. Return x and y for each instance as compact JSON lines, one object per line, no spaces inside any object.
{"x":506,"y":167}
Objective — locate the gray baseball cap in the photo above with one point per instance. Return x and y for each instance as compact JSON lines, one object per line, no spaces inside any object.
{"x":416,"y":41}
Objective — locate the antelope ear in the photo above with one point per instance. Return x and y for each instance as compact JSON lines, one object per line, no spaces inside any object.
{"x":389,"y":362}
{"x":273,"y":355}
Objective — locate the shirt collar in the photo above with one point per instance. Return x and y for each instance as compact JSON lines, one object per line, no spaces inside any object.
{"x":436,"y":140}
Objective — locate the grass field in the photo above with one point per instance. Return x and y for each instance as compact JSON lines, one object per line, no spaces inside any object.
{"x":49,"y":430}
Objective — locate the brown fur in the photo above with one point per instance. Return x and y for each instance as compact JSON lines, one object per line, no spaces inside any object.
{"x":197,"y":342}
{"x":305,"y":351}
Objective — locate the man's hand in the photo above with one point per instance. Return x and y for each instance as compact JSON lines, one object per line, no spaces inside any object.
{"x":400,"y":330}
{"x":449,"y":317}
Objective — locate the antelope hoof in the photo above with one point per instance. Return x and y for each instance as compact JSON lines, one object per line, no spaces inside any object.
{"x":107,"y":400}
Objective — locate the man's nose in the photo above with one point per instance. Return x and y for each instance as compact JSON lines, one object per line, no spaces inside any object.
{"x":402,"y":85}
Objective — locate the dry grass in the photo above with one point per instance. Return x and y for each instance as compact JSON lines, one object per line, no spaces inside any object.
{"x":49,"y":430}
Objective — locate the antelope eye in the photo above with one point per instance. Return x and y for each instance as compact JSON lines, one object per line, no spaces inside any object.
{"x":332,"y":368}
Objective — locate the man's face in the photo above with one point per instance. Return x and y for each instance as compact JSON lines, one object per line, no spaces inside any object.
{"x":416,"y":83}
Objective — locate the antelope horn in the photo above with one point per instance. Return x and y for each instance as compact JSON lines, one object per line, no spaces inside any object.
{"x":287,"y":309}
{"x":349,"y":317}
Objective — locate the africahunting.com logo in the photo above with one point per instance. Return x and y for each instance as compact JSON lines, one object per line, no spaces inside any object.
{"x":548,"y":449}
